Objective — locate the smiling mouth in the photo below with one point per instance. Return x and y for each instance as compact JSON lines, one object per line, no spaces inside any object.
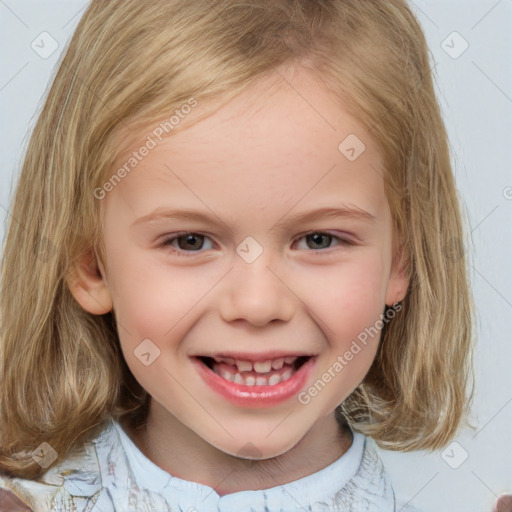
{"x":261,"y":373}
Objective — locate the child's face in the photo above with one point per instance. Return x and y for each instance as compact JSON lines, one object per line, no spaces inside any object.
{"x":251,"y":167}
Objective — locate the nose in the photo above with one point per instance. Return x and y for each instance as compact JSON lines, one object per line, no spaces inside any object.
{"x":256,"y":293}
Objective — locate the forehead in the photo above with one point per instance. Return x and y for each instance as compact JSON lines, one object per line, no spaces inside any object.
{"x":278,"y":142}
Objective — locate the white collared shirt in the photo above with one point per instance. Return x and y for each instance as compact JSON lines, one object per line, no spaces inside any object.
{"x":113,"y":475}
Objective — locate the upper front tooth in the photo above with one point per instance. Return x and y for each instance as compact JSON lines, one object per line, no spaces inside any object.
{"x":290,"y":359}
{"x":244,"y":366}
{"x":263,"y":366}
{"x":278,"y":363}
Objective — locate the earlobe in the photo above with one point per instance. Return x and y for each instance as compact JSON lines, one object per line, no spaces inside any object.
{"x":88,"y":286}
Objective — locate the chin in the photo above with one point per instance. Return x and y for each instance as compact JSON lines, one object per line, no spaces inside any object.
{"x":262,"y":448}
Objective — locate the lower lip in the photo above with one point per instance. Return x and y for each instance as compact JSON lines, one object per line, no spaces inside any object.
{"x":256,"y":396}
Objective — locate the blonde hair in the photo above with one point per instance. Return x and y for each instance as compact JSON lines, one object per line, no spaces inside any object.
{"x":128,"y":65}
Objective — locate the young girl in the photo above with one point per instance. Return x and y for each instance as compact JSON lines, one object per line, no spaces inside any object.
{"x":175,"y":336}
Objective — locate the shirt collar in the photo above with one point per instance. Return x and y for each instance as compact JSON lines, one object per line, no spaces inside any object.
{"x":317,"y":487}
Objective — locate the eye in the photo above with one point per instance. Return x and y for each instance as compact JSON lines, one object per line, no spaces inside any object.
{"x":323,"y":239}
{"x":187,"y":240}
{"x":189,"y":243}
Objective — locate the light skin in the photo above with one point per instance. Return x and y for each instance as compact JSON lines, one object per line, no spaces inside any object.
{"x":265,"y":156}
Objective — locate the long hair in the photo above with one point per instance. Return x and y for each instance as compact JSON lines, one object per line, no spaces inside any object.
{"x":128,"y":65}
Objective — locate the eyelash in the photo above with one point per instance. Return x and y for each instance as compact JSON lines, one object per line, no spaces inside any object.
{"x":167,"y":242}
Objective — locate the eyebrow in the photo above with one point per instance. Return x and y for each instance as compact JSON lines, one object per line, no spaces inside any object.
{"x":329,"y":212}
{"x":340,"y":212}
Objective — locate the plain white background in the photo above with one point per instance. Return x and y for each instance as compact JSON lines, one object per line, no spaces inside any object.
{"x":471,"y":46}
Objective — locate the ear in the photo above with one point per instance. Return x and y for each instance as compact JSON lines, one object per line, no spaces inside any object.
{"x":398,"y":279}
{"x":88,"y":285}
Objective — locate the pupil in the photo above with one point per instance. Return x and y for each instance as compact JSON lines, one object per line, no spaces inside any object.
{"x":189,"y":240}
{"x":317,"y":237}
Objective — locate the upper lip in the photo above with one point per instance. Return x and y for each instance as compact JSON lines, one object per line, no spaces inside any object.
{"x":262,"y":356}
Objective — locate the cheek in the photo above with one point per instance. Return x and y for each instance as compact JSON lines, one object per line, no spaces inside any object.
{"x":347,"y":297}
{"x":153,"y":315}
{"x":154,"y":301}
{"x":151,"y":297}
{"x":347,"y":306}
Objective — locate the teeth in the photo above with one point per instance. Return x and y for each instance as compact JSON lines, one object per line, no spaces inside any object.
{"x":244,"y":366}
{"x":286,"y":374}
{"x":227,"y":375}
{"x":263,"y":366}
{"x":278,"y":363}
{"x":260,"y":366}
{"x":274,"y":379}
{"x":250,"y":380}
{"x":227,"y":360}
{"x":265,"y":370}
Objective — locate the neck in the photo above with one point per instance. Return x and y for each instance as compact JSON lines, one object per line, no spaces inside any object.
{"x":182,"y":453}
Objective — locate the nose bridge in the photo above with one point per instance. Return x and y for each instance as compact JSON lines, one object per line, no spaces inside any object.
{"x":255,"y":291}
